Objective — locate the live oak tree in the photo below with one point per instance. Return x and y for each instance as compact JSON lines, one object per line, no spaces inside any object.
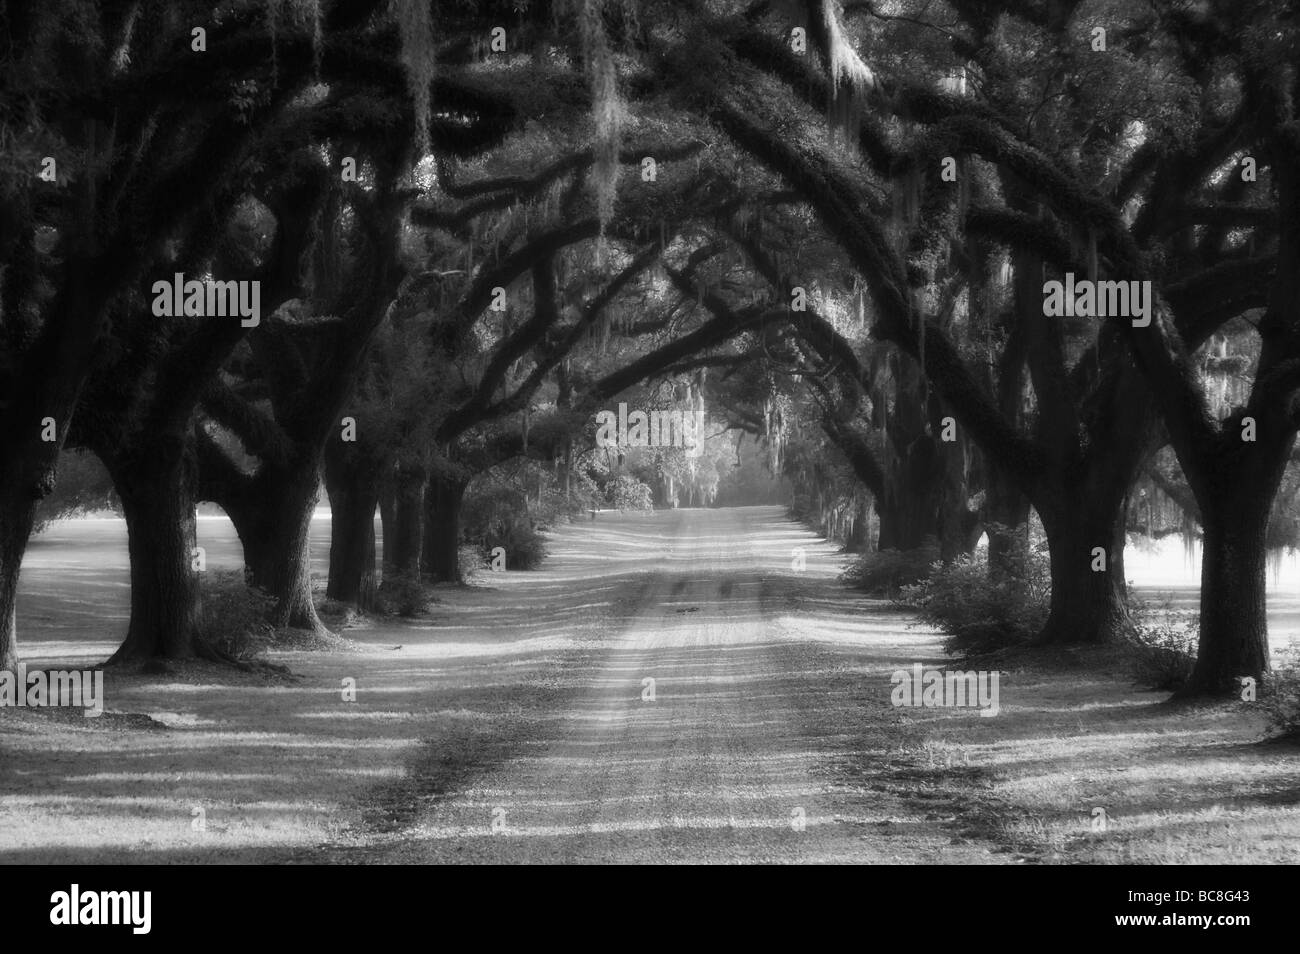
{"x":137,"y":412}
{"x":301,"y":365}
{"x":120,"y":138}
{"x":1065,"y":463}
{"x":928,"y":166}
{"x":1234,"y":464}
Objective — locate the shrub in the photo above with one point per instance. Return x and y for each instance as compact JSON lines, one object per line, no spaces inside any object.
{"x":1163,"y":642}
{"x":233,"y":623}
{"x":497,"y":515}
{"x":886,"y":572}
{"x":980,"y":613}
{"x":1282,"y":701}
{"x":628,"y":493}
{"x":489,"y":506}
{"x":524,"y":544}
{"x":405,"y":594}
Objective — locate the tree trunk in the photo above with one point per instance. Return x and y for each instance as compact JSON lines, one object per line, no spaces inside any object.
{"x":910,"y":520}
{"x":1234,"y":624}
{"x":443,"y":499}
{"x":274,"y":532}
{"x":387,"y":522}
{"x":353,"y":488}
{"x":407,"y":536}
{"x":157,"y":494}
{"x":1235,"y":496}
{"x":17,"y":516}
{"x":857,"y":541}
{"x":1088,"y":605}
{"x":955,"y":523}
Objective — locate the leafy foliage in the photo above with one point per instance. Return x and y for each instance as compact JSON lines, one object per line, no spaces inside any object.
{"x":84,"y":486}
{"x":628,"y":493}
{"x":1163,"y":641}
{"x":405,"y":594}
{"x":497,"y":514}
{"x":886,"y":572}
{"x":234,"y":618}
{"x":981,"y":612}
{"x":1282,"y":701}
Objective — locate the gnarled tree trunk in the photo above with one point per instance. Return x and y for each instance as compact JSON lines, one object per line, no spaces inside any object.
{"x":274,"y":528}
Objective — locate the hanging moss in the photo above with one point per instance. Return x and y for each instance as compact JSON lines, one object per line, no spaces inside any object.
{"x":607,"y":108}
{"x":846,"y":67}
{"x":416,"y":30}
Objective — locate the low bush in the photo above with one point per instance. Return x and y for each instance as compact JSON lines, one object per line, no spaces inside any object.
{"x":1282,"y":700}
{"x":981,"y":613}
{"x":498,"y":515}
{"x":233,"y":622}
{"x":487,"y":508}
{"x":1163,"y":642}
{"x":628,"y":493}
{"x":886,"y":572}
{"x":524,"y":545}
{"x":405,"y":594}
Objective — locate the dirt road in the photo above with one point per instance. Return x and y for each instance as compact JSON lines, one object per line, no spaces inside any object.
{"x":725,"y":722}
{"x":512,"y":723}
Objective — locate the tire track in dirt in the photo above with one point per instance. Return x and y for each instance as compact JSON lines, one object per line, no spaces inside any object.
{"x":735,"y":752}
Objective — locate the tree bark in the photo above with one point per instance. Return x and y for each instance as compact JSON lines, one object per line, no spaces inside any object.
{"x":17,"y":516}
{"x":857,"y":541}
{"x":274,"y":530}
{"x":353,"y":487}
{"x":443,"y":498}
{"x":1234,"y":621}
{"x":911,"y":517}
{"x":157,"y":490}
{"x":1238,"y":483}
{"x":408,"y":523}
{"x":1087,"y":605}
